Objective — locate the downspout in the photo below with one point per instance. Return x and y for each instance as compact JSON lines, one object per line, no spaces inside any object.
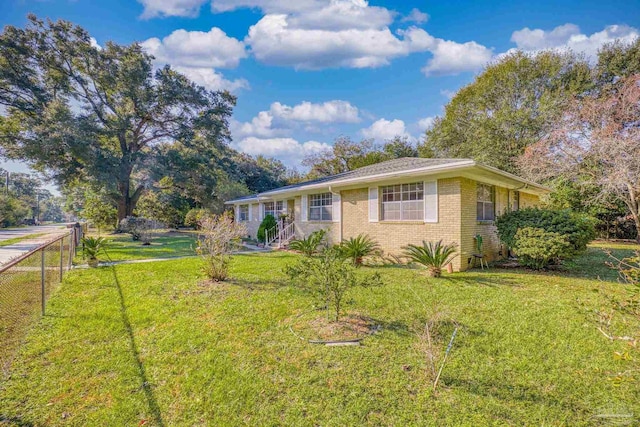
{"x":340,"y":223}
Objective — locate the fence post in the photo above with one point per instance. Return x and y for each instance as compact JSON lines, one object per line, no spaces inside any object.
{"x":72,"y":246}
{"x":42,"y":278}
{"x":61,"y":257}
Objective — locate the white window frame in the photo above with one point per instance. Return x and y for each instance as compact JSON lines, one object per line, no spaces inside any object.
{"x":488,"y":206}
{"x":409,"y":195}
{"x":322,"y":203}
{"x":243,"y":213}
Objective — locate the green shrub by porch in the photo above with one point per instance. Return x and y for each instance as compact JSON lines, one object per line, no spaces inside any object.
{"x":267,"y":224}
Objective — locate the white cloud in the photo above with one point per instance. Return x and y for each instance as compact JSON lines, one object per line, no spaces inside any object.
{"x":274,"y":42}
{"x":416,"y":16}
{"x":196,"y":54}
{"x":527,"y":39}
{"x":156,"y":8}
{"x":450,"y":58}
{"x":568,"y":36}
{"x":289,"y":150}
{"x":384,"y":129}
{"x":197,"y":49}
{"x":426,"y":123}
{"x":335,"y":111}
{"x":211,"y":79}
{"x":281,"y":119}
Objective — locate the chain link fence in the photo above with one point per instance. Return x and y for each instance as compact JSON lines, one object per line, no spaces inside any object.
{"x":25,"y":285}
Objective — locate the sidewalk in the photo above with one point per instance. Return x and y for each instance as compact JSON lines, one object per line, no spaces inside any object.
{"x":9,"y":252}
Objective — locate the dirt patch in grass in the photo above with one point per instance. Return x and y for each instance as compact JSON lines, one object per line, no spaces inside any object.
{"x":315,"y":326}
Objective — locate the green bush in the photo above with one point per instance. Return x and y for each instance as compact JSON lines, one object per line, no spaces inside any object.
{"x":433,"y":255}
{"x":578,"y":229}
{"x":309,"y":245}
{"x":536,"y":247}
{"x":359,"y":247}
{"x":267,"y":224}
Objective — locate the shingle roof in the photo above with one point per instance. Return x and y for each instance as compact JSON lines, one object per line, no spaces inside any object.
{"x":390,"y":166}
{"x":400,"y":165}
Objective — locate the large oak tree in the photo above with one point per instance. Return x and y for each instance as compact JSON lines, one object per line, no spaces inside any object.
{"x":77,"y":111}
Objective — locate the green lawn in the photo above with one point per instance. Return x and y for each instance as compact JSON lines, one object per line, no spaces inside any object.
{"x":152,"y":344}
{"x":163,"y":245}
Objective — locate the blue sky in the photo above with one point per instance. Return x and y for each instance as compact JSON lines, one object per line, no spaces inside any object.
{"x":308,"y":71}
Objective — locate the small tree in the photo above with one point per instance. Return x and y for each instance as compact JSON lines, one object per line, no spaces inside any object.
{"x":219,"y":236}
{"x":328,"y":278}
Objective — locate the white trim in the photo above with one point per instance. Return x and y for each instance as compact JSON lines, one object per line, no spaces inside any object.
{"x":430,"y":197}
{"x":303,"y":208}
{"x":260,"y":211}
{"x":374,"y":205}
{"x":336,"y":207}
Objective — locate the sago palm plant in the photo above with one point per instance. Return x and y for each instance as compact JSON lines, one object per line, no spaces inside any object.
{"x":309,"y":245}
{"x":434,"y":256}
{"x":359,"y":247}
{"x":91,"y":247}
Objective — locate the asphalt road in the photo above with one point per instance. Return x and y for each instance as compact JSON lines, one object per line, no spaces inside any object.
{"x":12,"y":251}
{"x":12,"y":233}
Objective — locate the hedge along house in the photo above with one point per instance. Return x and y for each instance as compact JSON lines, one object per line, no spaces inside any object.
{"x":399,"y":202}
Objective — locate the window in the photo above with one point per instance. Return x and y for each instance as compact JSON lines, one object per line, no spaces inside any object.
{"x":485,"y":207}
{"x":274,"y":208}
{"x":320,"y":208}
{"x":403,"y":202}
{"x":244,"y":213}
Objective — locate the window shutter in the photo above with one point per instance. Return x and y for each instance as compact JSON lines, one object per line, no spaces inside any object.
{"x":236,"y":212}
{"x":431,"y":201}
{"x":303,"y":208}
{"x":373,"y":204}
{"x":260,"y":211}
{"x":250,"y":212}
{"x":337,"y":208}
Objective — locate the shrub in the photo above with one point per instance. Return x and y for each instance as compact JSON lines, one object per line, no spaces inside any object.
{"x":194,"y":216}
{"x":267,"y":224}
{"x":309,"y":245}
{"x":91,"y":248}
{"x":434,"y":256}
{"x":578,"y":229}
{"x":536,"y":247}
{"x":219,"y":236}
{"x":359,"y":247}
{"x":328,"y":278}
{"x":139,"y":228}
{"x":628,"y":268}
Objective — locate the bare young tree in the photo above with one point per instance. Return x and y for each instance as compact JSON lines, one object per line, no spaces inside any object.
{"x":219,"y":236}
{"x":595,"y":143}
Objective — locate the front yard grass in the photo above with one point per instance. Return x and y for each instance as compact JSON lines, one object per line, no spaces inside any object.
{"x":152,"y":344}
{"x":165,"y":244}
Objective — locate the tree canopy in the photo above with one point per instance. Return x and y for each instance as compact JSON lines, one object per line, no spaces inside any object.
{"x":77,"y":111}
{"x":509,"y":106}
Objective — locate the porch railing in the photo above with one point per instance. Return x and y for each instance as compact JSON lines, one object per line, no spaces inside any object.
{"x":281,"y":234}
